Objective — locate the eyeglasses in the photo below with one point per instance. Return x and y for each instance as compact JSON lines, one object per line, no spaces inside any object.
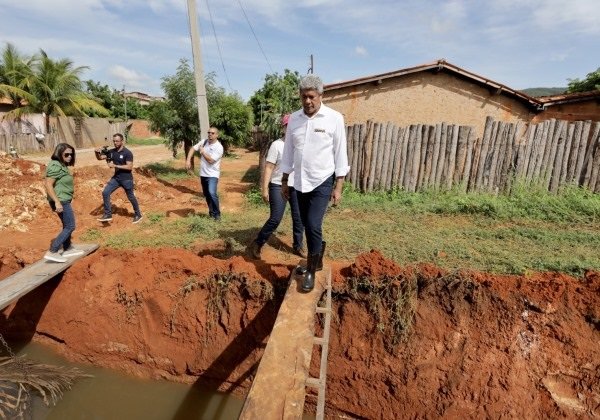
{"x":67,"y":154}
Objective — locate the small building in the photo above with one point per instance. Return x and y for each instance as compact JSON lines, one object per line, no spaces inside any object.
{"x":580,"y":106}
{"x":430,"y":94}
{"x":143,"y":98}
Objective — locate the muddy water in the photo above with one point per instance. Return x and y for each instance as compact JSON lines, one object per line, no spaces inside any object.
{"x":110,"y":395}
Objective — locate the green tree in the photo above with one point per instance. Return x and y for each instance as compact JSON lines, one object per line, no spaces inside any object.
{"x":177,"y":116}
{"x":57,"y":90}
{"x":591,"y":82}
{"x":279,"y":95}
{"x":16,"y":78}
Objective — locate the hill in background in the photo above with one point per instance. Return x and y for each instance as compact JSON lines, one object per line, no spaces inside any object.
{"x":544,"y":91}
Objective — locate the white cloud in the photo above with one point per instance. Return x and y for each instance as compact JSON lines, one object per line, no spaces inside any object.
{"x":130,"y":78}
{"x":361,"y":51}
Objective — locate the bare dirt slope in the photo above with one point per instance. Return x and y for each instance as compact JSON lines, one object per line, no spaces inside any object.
{"x":407,"y":342}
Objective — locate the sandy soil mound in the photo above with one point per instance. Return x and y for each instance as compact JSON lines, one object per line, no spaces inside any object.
{"x":468,"y":344}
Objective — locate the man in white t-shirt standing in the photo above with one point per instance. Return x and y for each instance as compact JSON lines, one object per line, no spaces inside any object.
{"x":211,"y":152}
{"x":315,"y":149}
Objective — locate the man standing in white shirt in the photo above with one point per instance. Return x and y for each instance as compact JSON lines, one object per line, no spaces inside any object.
{"x":211,"y":152}
{"x":315,"y":149}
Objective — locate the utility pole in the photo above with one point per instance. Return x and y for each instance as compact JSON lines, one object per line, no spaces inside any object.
{"x":125,"y":104}
{"x":198,"y":69}
{"x":311,"y":68}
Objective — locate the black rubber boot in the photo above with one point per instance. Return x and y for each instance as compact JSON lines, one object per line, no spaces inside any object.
{"x":301,"y":270}
{"x":308,"y":282}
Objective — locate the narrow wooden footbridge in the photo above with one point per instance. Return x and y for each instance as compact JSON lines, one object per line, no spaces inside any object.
{"x":24,"y":281}
{"x":279,"y":387}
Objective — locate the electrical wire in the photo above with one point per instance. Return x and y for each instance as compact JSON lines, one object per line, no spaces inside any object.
{"x":255,"y":37}
{"x":218,"y":45}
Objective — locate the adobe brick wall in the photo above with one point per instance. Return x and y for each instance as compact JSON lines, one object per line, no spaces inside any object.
{"x":425,"y":98}
{"x":578,"y":111}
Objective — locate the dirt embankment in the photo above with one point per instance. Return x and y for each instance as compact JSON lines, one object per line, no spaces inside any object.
{"x":407,"y":342}
{"x":476,"y":345}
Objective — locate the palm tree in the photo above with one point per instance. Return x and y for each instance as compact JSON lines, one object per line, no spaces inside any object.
{"x":16,"y":79}
{"x":57,"y":90}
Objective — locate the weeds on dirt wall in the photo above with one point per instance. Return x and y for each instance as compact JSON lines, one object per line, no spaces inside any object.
{"x":218,"y":286}
{"x":129,"y":302}
{"x":391,"y":300}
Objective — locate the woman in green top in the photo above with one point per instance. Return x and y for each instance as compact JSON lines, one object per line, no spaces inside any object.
{"x":59,"y":187}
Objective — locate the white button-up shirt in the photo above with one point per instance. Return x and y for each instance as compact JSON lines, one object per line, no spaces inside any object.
{"x":315,"y":148}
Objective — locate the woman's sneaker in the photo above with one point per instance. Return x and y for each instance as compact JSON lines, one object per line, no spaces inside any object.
{"x":72,"y":252}
{"x":55,"y":257}
{"x":137,"y":218}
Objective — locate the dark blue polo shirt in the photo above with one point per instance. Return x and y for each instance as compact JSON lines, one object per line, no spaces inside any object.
{"x":121,"y":158}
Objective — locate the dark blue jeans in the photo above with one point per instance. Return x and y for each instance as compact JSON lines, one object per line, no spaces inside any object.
{"x":67,"y":217}
{"x":111,"y":186}
{"x":209,"y":189}
{"x":313,"y":205}
{"x":277,"y":208}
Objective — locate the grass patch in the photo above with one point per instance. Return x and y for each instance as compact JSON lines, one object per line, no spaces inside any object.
{"x":167,"y":172}
{"x":149,"y":141}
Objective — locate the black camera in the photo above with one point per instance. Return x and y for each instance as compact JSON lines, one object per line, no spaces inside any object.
{"x":105,"y":152}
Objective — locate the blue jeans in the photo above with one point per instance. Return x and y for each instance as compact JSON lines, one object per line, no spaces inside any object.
{"x":67,"y":217}
{"x":313,"y":205}
{"x":277,"y":208}
{"x":111,"y":186}
{"x":209,"y":189}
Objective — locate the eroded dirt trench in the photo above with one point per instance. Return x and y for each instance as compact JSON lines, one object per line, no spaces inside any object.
{"x":406,"y":342}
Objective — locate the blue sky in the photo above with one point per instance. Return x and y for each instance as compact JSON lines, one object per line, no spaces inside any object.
{"x":134,"y":43}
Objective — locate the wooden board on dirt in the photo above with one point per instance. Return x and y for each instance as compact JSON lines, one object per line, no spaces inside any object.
{"x":278,"y":390}
{"x":22,"y":282}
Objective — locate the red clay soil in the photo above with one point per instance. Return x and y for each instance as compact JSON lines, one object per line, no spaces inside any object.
{"x":407,"y":342}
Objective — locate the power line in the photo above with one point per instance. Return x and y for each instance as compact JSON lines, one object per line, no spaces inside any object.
{"x":255,"y":37}
{"x":218,"y":45}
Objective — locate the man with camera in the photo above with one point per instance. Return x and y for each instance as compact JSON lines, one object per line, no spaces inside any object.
{"x":121,"y":159}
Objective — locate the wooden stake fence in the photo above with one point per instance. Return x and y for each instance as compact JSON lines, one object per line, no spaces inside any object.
{"x":552,"y":153}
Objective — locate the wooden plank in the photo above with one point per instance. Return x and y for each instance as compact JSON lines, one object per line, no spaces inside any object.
{"x":461,"y":153}
{"x":416,"y":157}
{"x":398,"y":159}
{"x":452,"y":156}
{"x":424,"y":143}
{"x":373,"y":163}
{"x":439,"y":172}
{"x":466,"y":179}
{"x":589,"y":156}
{"x":566,"y":162}
{"x":380,"y":151}
{"x":366,"y":167}
{"x":403,"y":158}
{"x":483,"y":153}
{"x":490,"y":160}
{"x":350,"y":150}
{"x":22,"y":282}
{"x":389,"y":183}
{"x":557,"y":155}
{"x":385,"y":162}
{"x":573,"y":154}
{"x":542,"y":142}
{"x":583,"y":141}
{"x":278,"y":390}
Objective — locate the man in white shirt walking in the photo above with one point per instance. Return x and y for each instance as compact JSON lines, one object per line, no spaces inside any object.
{"x":315,"y":149}
{"x":211,"y":152}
